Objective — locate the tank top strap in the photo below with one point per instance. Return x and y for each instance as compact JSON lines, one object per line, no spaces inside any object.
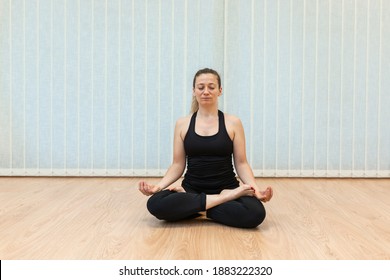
{"x":192,"y":123}
{"x":222,"y":126}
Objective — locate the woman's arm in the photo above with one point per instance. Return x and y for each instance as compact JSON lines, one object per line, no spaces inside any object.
{"x":244,"y":171}
{"x":175,"y":171}
{"x":241,"y":164}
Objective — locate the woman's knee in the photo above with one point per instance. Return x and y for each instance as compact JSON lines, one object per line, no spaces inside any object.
{"x":254,"y":218}
{"x":243,"y":213}
{"x":256,"y":212}
{"x":155,"y":204}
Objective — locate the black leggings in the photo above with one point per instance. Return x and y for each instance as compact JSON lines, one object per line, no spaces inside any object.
{"x":244,"y":212}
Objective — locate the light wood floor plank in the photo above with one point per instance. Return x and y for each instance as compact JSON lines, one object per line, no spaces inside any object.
{"x":106,"y":218}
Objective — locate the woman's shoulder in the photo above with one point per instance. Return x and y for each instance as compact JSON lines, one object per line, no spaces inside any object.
{"x":183,"y":120}
{"x":182,"y":123}
{"x":232,"y":119}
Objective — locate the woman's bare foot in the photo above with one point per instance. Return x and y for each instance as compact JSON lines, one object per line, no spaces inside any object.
{"x":176,"y":189}
{"x":242,"y":190}
{"x":213,"y":200}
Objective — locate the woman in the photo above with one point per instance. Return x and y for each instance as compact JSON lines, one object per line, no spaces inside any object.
{"x":207,"y":139}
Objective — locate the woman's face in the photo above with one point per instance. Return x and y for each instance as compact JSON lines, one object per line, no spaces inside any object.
{"x":207,"y":89}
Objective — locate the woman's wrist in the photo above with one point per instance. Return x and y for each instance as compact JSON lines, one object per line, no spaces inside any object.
{"x":159,"y":188}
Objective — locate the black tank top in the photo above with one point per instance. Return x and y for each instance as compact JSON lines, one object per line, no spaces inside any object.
{"x":209,"y":160}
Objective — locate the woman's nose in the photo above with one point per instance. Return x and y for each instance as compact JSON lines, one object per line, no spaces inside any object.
{"x":206,"y":91}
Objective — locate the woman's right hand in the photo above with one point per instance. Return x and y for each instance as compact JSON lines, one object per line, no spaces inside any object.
{"x":148,"y":189}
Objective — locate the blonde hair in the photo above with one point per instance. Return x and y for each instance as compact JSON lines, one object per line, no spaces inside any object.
{"x":195,"y":104}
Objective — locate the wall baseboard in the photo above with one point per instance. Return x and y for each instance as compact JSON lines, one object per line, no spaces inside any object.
{"x":161,"y":172}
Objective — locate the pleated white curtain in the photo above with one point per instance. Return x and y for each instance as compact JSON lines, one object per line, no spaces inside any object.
{"x":310,"y":81}
{"x":93,"y":88}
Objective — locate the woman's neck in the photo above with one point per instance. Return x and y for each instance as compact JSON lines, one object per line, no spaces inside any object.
{"x":207,"y":112}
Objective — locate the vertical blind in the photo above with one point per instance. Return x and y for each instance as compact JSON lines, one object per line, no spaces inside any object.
{"x":93,"y":88}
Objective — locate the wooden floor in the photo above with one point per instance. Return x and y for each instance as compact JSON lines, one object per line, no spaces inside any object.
{"x":106,"y":218}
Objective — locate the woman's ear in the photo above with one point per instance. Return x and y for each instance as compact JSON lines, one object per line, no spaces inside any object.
{"x":220,"y":91}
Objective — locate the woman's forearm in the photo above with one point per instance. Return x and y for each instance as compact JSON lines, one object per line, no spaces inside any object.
{"x":245,"y":173}
{"x":174,"y":172}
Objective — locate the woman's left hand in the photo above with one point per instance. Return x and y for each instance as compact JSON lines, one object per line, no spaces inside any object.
{"x":264,"y":196}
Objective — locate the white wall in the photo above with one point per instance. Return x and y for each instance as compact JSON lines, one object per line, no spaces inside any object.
{"x":94,"y":87}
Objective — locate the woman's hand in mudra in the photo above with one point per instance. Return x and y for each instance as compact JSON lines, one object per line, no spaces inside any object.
{"x":148,"y":189}
{"x":264,"y":196}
